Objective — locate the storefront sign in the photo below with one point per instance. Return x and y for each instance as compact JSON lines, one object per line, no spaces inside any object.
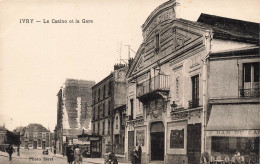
{"x":164,"y":16}
{"x":234,"y":133}
{"x":93,"y":138}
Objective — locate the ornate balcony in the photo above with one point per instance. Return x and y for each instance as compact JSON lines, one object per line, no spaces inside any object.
{"x":253,"y":92}
{"x":158,"y":85}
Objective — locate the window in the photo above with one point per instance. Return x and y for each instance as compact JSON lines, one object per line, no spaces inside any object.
{"x":132,"y":109}
{"x":251,"y":72}
{"x":116,"y":122}
{"x":94,"y":97}
{"x":104,"y":110}
{"x":108,"y":129}
{"x":250,"y":80}
{"x":104,"y":91}
{"x":195,"y":92}
{"x":103,"y":132}
{"x":109,"y":104}
{"x":98,"y":94}
{"x":177,"y":139}
{"x":98,"y":112}
{"x":109,"y":88}
{"x":93,"y":113}
{"x":94,"y":128}
{"x":98,"y":128}
{"x":245,"y":145}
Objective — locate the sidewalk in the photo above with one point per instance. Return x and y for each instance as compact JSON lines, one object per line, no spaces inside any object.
{"x":88,"y":160}
{"x":5,"y":154}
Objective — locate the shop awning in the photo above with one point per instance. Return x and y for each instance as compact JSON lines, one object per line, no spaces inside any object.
{"x":234,"y":120}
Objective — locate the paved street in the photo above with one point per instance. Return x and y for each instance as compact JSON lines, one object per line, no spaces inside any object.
{"x":36,"y":156}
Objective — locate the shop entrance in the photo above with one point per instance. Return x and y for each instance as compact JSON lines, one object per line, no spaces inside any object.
{"x":157,"y":141}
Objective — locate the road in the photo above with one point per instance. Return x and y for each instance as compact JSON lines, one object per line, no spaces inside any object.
{"x":35,"y":156}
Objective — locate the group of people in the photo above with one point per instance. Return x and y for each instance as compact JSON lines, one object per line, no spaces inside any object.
{"x":136,"y":156}
{"x":73,"y":154}
{"x":236,"y":159}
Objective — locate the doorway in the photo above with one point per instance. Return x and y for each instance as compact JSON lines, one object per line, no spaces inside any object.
{"x":194,"y":143}
{"x":157,"y":141}
{"x":43,"y":145}
{"x":35,"y":144}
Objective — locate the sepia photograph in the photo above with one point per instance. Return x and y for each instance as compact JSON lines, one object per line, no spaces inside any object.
{"x":129,"y":82}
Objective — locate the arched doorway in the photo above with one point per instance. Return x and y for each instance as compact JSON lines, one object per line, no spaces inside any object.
{"x":157,"y":141}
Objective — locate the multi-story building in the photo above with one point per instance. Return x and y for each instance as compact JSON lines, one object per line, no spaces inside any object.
{"x":73,"y":111}
{"x":35,"y":136}
{"x":108,"y":111}
{"x":167,"y":85}
{"x":233,"y":90}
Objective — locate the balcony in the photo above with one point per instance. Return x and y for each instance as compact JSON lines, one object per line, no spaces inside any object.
{"x":253,"y":92}
{"x":150,"y":88}
{"x":194,"y":103}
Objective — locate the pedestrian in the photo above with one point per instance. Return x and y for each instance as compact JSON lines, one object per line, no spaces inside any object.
{"x":139,"y":154}
{"x":18,"y":150}
{"x":204,"y":158}
{"x":10,"y":151}
{"x":134,"y":156}
{"x":77,"y":156}
{"x":70,"y":154}
{"x":54,"y":150}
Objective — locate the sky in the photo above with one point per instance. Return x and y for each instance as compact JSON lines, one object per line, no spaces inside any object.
{"x":36,"y":58}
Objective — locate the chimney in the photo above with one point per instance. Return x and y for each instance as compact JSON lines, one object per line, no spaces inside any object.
{"x":130,"y":62}
{"x":118,"y":66}
{"x":177,"y":9}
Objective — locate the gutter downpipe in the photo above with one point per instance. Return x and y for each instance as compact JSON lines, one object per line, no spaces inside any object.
{"x":208,"y":39}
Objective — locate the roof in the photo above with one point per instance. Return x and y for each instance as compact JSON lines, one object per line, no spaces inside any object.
{"x":231,"y":29}
{"x":36,"y":128}
{"x":2,"y":128}
{"x":236,"y":52}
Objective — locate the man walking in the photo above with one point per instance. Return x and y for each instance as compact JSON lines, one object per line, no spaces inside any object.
{"x":10,"y":151}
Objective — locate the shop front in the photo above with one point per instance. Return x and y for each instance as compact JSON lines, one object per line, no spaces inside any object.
{"x":234,"y":128}
{"x":92,"y":145}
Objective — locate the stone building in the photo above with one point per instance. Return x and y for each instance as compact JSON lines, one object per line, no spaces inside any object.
{"x":73,"y":111}
{"x":108,"y":111}
{"x":35,"y":136}
{"x":168,"y":103}
{"x":233,"y":117}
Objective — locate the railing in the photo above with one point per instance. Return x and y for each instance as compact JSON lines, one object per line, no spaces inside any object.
{"x":194,"y":103}
{"x":253,"y":92}
{"x":155,"y":83}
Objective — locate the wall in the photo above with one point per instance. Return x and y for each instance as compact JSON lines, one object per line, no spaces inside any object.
{"x":221,"y":45}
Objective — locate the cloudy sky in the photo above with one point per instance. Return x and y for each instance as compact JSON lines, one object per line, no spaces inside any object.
{"x":36,"y":58}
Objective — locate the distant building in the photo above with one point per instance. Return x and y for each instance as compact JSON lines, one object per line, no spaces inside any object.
{"x":34,"y":136}
{"x":108,"y":111}
{"x":73,"y":111}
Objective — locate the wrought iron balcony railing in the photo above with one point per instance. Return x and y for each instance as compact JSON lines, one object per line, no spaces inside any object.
{"x":159,"y":82}
{"x":253,"y":92}
{"x":194,"y":103}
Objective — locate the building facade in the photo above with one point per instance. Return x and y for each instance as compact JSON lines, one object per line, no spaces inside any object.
{"x":73,"y":111}
{"x":35,"y":136}
{"x":168,"y":85}
{"x":108,"y":99}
